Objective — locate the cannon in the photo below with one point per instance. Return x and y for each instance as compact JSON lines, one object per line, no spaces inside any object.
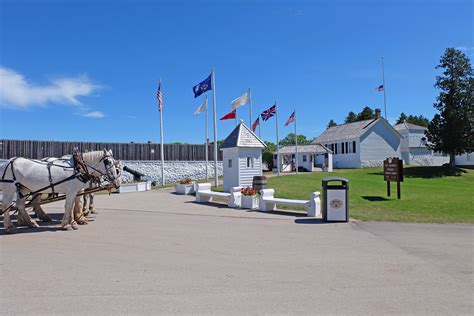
{"x":137,"y":176}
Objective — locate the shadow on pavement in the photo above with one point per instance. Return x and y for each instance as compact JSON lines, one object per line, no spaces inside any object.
{"x":312,"y":221}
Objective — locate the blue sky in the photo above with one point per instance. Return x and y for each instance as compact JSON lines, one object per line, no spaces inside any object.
{"x":87,"y":70}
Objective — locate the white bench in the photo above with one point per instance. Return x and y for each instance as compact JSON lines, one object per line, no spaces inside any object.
{"x":205,"y":195}
{"x":267,"y":202}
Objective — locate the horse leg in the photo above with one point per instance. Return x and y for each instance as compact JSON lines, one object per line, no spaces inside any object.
{"x":39,"y":210}
{"x":68,"y":222}
{"x":91,"y":204}
{"x":23,"y":218}
{"x":84,"y":204}
{"x":79,"y":216}
{"x":7,"y":201}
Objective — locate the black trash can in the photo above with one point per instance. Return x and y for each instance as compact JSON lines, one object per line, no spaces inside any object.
{"x":335,"y":199}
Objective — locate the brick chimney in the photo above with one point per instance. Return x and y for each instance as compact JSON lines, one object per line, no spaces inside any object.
{"x":377,"y":113}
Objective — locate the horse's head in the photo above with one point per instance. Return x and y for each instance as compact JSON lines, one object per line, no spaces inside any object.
{"x":112,"y":168}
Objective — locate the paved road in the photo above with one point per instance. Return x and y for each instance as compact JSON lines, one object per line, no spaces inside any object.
{"x":156,"y":252}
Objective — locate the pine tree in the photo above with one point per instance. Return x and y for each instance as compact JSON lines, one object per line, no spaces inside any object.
{"x":402,"y":118}
{"x":451,"y":131}
{"x":366,"y":114}
{"x":351,"y":117}
{"x":331,"y":123}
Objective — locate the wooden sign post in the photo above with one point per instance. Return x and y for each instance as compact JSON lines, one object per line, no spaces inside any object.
{"x":393,"y":171}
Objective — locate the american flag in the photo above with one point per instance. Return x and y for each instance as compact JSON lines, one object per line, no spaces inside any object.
{"x":379,"y":88}
{"x":291,"y":119}
{"x":159,"y":96}
{"x":268,"y":113}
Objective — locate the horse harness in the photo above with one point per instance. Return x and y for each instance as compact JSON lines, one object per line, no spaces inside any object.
{"x":81,"y":172}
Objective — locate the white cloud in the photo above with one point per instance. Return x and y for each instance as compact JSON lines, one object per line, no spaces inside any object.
{"x":16,"y":91}
{"x":464,"y":48}
{"x":94,"y":114}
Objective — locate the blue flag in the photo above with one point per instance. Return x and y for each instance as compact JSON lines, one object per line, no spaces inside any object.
{"x":203,"y":86}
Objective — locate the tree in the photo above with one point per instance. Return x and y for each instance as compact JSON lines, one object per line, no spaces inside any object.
{"x":331,"y":123}
{"x":402,"y":118}
{"x":267,"y":155}
{"x":413,"y":119}
{"x":450,"y":131}
{"x":351,"y":117}
{"x":418,"y":120}
{"x":366,"y":114}
{"x":290,"y":140}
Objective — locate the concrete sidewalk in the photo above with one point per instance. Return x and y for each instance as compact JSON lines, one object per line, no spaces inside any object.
{"x":159,"y":253}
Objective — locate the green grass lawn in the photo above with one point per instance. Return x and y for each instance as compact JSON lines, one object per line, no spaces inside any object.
{"x":429,"y":194}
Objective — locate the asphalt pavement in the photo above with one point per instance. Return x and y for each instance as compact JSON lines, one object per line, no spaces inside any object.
{"x":159,"y":253}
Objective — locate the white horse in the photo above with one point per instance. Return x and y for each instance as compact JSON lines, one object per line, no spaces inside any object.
{"x":80,"y":210}
{"x":23,"y":176}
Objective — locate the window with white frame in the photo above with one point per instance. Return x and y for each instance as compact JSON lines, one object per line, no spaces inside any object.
{"x":229,"y":163}
{"x":249,"y":162}
{"x":304,"y":158}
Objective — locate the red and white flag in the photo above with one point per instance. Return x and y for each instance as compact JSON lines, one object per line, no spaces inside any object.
{"x":291,"y":119}
{"x":379,"y":88}
{"x":255,"y":124}
{"x":159,"y":96}
{"x":229,"y":116}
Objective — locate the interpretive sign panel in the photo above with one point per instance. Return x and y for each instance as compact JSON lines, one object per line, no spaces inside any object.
{"x":393,"y":171}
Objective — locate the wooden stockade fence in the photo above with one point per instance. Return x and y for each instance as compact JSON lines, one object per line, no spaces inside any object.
{"x":123,"y":151}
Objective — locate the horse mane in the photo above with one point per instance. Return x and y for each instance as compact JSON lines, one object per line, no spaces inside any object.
{"x":92,"y":156}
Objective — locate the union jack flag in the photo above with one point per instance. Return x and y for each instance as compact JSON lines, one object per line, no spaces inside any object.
{"x":268,"y":113}
{"x":159,"y":96}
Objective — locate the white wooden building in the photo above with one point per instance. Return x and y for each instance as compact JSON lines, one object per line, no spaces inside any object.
{"x":361,"y":144}
{"x":242,"y":157}
{"x":313,"y":157}
{"x":466,"y":159}
{"x":413,"y":148}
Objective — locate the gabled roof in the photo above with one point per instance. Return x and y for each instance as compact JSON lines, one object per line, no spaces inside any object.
{"x":305,"y":149}
{"x":344,"y":131}
{"x":351,"y":130}
{"x":242,"y":136}
{"x":405,"y":126}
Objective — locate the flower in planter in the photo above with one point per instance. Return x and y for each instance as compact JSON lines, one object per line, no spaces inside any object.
{"x":248,"y":191}
{"x":185,"y":181}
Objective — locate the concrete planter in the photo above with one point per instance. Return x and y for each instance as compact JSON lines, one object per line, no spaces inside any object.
{"x":135,"y":187}
{"x":249,"y":202}
{"x":185,"y":189}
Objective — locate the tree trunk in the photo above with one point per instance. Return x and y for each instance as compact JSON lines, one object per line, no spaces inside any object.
{"x":452,"y":160}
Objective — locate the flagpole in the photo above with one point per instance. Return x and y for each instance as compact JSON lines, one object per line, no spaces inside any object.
{"x":259,"y":130}
{"x":216,"y":182}
{"x":250,"y":103}
{"x":384,"y":88}
{"x":277,"y":144}
{"x":296,"y":142}
{"x":207,"y":144}
{"x":161,"y":147}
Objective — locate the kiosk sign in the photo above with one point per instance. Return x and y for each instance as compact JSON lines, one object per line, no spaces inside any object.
{"x":393,"y":171}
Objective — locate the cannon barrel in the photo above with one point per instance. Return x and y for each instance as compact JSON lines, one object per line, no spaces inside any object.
{"x":136,"y":174}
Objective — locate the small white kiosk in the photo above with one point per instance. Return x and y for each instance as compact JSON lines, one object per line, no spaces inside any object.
{"x":241,"y":157}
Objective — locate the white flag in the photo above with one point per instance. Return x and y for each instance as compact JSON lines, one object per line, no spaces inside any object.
{"x":242,"y":100}
{"x":202,"y":107}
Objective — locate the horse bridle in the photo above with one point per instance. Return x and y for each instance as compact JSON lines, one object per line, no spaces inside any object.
{"x":108,"y":166}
